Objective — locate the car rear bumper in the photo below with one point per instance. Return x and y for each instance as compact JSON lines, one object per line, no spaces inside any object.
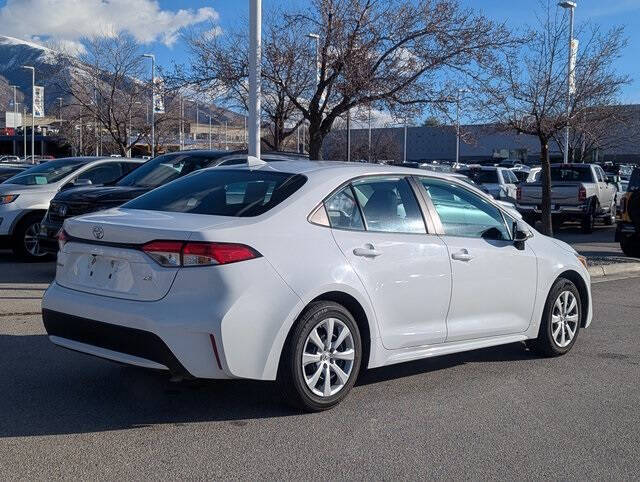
{"x":215,"y":322}
{"x":555,"y":209}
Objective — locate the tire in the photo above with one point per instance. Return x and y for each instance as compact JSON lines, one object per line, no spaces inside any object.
{"x":304,"y":386}
{"x":22,"y":239}
{"x":610,"y":219}
{"x":559,"y":328}
{"x":630,"y":246}
{"x":588,"y":221}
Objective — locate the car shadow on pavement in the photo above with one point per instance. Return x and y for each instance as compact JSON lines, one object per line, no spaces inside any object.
{"x":48,"y":390}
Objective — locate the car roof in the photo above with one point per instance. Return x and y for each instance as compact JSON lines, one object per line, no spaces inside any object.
{"x":338,"y":168}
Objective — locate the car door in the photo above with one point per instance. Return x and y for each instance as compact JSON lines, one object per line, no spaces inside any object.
{"x":493,"y":282}
{"x":379,"y":227}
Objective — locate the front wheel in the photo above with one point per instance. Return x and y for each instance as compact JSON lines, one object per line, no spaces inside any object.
{"x":25,"y":239}
{"x":560,"y":320}
{"x":322,"y":358}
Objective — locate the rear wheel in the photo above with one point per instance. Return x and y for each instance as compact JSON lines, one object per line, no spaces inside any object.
{"x":588,"y":221}
{"x":322,"y":358}
{"x":560,"y":320}
{"x":25,"y":239}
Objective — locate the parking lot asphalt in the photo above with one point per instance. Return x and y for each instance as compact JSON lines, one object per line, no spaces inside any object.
{"x":492,"y":413}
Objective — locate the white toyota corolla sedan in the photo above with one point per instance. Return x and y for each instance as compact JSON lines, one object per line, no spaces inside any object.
{"x":306,"y":272}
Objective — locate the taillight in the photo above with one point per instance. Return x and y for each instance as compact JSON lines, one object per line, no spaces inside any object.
{"x":165,"y":253}
{"x":582,"y":194}
{"x":62,"y":238}
{"x":178,"y":253}
{"x":519,"y":193}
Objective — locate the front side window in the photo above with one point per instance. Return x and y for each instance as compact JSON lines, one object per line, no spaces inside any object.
{"x":222,"y":192}
{"x":103,"y":173}
{"x":343,"y":211}
{"x":463,"y":213}
{"x":389,"y":205}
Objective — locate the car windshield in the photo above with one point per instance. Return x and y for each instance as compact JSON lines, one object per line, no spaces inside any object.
{"x":482,"y":176}
{"x":223,"y":192}
{"x":571,"y":174}
{"x":166,"y":168}
{"x":48,"y":173}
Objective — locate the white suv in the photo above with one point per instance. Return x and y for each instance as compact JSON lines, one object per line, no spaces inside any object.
{"x":25,"y":197}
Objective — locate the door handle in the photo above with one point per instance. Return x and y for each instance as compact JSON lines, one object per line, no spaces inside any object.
{"x":462,"y":255}
{"x":369,"y":251}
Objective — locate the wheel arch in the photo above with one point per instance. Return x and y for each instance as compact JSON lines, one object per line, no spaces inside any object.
{"x":581,"y":284}
{"x":24,"y":215}
{"x":357,"y":311}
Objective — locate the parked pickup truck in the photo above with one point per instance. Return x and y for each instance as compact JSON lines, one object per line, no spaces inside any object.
{"x":579,"y":192}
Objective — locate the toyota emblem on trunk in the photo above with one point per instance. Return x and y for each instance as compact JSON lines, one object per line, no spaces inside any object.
{"x":98,"y":232}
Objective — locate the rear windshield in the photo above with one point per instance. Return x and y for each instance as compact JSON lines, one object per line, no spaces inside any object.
{"x":571,"y":174}
{"x":164,"y":169}
{"x":481,"y":176}
{"x":222,"y":192}
{"x":47,"y":173}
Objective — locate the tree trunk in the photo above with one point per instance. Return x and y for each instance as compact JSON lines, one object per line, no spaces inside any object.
{"x":316,"y":137}
{"x":547,"y":225}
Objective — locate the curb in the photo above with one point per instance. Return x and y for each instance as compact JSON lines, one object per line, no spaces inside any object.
{"x":615,"y":269}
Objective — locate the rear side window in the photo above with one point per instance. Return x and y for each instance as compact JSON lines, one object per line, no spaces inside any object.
{"x":224,"y":192}
{"x":343,"y":210}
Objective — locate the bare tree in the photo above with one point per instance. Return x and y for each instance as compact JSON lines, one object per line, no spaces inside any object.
{"x":528,"y":93}
{"x":392,"y":54}
{"x":104,"y":87}
{"x":218,"y":68}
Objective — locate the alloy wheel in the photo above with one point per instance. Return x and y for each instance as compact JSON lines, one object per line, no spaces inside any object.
{"x":31,"y":242}
{"x":327,"y":357}
{"x":564,"y":319}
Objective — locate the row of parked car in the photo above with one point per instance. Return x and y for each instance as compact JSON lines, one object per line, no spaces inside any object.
{"x":35,"y":202}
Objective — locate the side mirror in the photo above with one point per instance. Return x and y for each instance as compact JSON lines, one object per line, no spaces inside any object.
{"x":520,"y":234}
{"x":82,"y":182}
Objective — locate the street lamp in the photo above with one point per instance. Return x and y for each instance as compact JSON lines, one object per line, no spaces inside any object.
{"x":137,"y":102}
{"x":316,"y":37}
{"x":570,"y":5}
{"x":460,"y":91}
{"x":153,"y":107}
{"x":255,"y":73}
{"x":33,"y":116}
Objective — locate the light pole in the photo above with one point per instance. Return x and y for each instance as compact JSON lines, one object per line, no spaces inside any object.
{"x":570,"y":5}
{"x":153,"y":106}
{"x":349,"y":135}
{"x":369,"y":153}
{"x":460,"y":91}
{"x":316,"y":37}
{"x":15,"y":113}
{"x":24,"y":131}
{"x":181,"y":123}
{"x":255,"y":55}
{"x":130,"y":129}
{"x":404,"y":155}
{"x":33,"y":115}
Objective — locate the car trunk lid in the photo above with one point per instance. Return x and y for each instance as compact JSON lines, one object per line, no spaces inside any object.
{"x":103,"y":255}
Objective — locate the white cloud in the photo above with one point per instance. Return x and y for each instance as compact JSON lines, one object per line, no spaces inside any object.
{"x":64,"y":22}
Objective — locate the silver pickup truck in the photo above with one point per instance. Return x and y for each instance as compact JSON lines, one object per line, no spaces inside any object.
{"x":579,"y":192}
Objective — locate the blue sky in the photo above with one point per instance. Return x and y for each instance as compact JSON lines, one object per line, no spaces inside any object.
{"x":157,"y":22}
